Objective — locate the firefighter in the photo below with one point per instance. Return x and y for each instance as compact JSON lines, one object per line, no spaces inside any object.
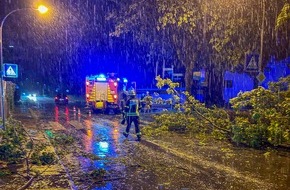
{"x":132,"y":108}
{"x":148,"y":102}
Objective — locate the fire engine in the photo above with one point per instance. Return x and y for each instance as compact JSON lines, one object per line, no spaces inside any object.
{"x":102,"y":92}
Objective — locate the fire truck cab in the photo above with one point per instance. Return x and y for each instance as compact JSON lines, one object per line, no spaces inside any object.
{"x":102,"y":92}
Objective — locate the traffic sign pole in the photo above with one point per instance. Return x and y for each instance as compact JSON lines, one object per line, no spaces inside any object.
{"x":1,"y":82}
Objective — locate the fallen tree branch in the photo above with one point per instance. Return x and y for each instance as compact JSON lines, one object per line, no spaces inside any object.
{"x":25,"y":186}
{"x":214,"y":125}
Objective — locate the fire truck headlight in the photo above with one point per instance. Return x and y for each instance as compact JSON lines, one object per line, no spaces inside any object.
{"x":87,"y":83}
{"x":115,"y":84}
{"x":87,"y":95}
{"x":115,"y":96}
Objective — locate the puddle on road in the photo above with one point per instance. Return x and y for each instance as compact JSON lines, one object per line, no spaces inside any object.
{"x":102,"y":140}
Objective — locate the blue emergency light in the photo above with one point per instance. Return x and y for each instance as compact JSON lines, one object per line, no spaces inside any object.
{"x":125,"y":80}
{"x":101,"y":77}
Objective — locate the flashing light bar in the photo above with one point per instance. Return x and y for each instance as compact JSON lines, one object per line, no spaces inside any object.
{"x":101,"y":77}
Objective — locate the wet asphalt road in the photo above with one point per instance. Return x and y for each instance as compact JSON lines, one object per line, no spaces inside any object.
{"x":147,"y":165}
{"x":99,"y":134}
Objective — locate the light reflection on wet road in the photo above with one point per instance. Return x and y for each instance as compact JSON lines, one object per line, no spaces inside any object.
{"x":102,"y":141}
{"x":102,"y":137}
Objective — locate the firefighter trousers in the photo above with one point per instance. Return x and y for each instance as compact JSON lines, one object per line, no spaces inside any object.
{"x":135,"y":120}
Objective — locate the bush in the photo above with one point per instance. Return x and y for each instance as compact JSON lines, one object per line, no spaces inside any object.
{"x":245,"y":132}
{"x":267,"y":121}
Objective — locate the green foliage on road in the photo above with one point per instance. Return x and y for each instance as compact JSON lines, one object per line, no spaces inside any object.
{"x":43,"y":158}
{"x":63,"y":139}
{"x":12,"y":141}
{"x":258,"y":118}
{"x":16,"y":146}
{"x":4,"y":173}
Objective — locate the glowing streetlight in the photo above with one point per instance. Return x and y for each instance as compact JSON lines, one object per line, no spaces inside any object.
{"x":42,"y":9}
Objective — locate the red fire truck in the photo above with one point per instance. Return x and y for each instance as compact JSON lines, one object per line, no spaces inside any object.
{"x":103,"y":91}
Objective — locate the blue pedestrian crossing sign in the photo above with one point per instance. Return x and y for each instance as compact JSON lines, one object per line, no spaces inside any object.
{"x":10,"y":70}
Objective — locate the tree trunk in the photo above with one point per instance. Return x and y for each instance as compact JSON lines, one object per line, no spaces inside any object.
{"x":188,"y":77}
{"x":188,"y":62}
{"x":215,"y":87}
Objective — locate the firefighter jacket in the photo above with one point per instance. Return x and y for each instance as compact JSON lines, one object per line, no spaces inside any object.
{"x":133,"y":106}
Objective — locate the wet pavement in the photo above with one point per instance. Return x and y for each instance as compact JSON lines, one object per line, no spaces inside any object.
{"x":171,"y":162}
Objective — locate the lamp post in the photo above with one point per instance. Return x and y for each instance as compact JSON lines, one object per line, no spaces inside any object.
{"x":42,"y":9}
{"x":135,"y":85}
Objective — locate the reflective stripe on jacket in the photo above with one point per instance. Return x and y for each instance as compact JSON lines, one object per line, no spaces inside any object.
{"x":132,"y":107}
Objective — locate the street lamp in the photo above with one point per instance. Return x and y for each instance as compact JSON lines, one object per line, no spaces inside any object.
{"x":42,"y":9}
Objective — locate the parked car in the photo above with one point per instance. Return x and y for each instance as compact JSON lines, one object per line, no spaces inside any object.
{"x":61,"y":99}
